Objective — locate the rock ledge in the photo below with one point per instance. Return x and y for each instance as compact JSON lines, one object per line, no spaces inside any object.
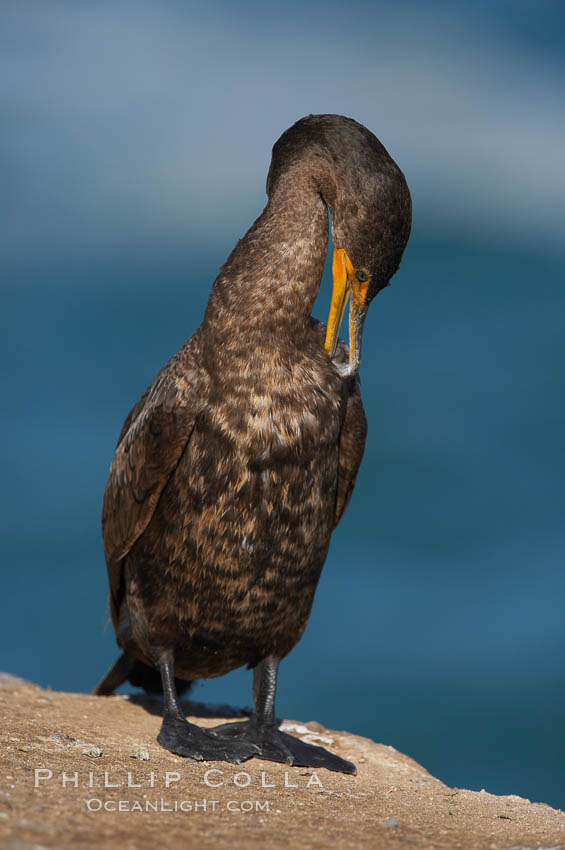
{"x":82,"y":772}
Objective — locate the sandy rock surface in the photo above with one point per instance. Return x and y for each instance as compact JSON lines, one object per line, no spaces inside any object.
{"x":66,"y":761}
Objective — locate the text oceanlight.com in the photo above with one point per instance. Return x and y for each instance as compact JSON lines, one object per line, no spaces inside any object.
{"x":97,"y":805}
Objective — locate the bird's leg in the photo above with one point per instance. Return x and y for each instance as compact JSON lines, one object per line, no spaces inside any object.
{"x":262,"y":728}
{"x":184,"y":738}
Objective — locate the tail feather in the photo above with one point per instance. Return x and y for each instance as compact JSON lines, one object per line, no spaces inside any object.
{"x":140,"y":675}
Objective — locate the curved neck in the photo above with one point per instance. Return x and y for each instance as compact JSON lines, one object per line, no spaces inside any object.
{"x":268,"y":284}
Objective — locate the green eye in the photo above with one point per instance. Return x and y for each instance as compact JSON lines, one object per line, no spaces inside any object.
{"x":361,"y":275}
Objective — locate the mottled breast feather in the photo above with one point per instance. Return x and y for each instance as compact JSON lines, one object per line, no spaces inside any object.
{"x":150,"y":446}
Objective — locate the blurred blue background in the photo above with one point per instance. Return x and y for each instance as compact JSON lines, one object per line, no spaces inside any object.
{"x":135,"y":143}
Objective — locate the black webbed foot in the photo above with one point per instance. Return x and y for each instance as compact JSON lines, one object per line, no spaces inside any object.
{"x":185,"y":739}
{"x":235,"y":742}
{"x":274,"y":745}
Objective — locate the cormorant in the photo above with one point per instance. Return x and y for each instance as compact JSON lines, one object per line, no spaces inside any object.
{"x":238,"y":461}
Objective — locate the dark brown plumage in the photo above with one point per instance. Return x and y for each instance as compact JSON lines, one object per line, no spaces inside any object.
{"x":238,"y":461}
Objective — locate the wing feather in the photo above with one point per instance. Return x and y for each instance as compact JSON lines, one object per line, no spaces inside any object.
{"x":152,"y":440}
{"x":353,"y":430}
{"x":351,"y":448}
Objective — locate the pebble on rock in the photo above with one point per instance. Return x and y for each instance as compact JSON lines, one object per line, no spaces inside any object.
{"x":93,"y":752}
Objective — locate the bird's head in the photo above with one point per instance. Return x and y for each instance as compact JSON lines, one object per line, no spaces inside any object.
{"x":370,"y":209}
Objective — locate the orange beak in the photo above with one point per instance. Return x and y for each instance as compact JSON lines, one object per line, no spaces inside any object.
{"x":345,"y":285}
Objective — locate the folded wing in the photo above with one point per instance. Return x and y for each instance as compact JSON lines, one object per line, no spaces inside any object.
{"x":153,"y":438}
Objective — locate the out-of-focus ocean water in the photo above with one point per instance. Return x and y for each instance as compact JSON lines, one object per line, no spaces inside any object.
{"x":438,"y":624}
